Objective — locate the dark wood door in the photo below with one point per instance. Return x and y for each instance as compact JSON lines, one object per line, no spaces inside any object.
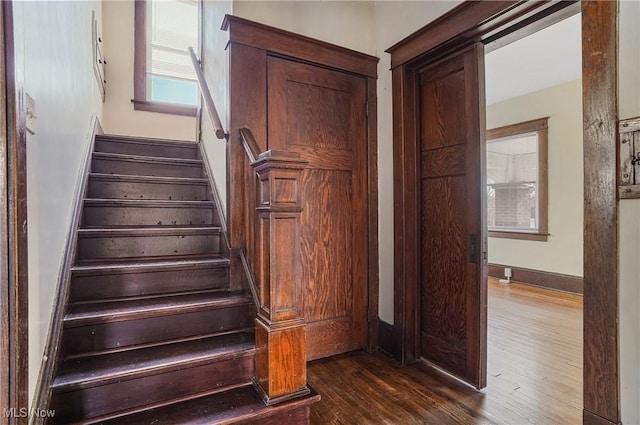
{"x":453,"y":236}
{"x":320,"y":114}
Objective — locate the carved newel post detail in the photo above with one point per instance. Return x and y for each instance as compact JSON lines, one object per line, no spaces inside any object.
{"x":281,"y":370}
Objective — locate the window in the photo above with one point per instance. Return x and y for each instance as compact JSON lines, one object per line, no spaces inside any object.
{"x":517,"y":181}
{"x":164,"y":79}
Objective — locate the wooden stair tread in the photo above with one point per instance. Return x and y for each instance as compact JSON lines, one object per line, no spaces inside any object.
{"x":141,"y":260}
{"x":82,"y":314}
{"x":148,"y":179}
{"x":151,"y":265}
{"x":122,"y":231}
{"x":145,"y":158}
{"x":159,"y":203}
{"x":100,"y":369}
{"x":233,"y":406}
{"x":147,"y":140}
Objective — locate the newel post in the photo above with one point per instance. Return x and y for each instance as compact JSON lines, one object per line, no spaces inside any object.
{"x":281,"y":370}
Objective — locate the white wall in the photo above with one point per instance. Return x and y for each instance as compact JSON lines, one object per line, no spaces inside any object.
{"x":215,"y":62}
{"x":54,"y":56}
{"x":345,"y":23}
{"x":119,"y":115}
{"x":393,"y":21}
{"x":629,"y":227}
{"x":562,"y":252}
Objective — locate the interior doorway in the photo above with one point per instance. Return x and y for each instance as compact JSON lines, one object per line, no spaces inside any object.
{"x":485,"y":22}
{"x":535,"y":221}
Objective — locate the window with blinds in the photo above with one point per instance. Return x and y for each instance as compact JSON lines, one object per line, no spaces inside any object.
{"x":171,"y":26}
{"x":512,"y":183}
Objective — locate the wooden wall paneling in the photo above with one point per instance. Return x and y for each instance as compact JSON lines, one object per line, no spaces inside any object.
{"x":600,"y":121}
{"x":320,"y":114}
{"x":247,"y":89}
{"x":293,"y":45}
{"x":372,"y":230}
{"x":343,"y":163}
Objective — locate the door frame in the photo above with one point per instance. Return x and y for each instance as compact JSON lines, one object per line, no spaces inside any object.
{"x":503,"y":22}
{"x":13,"y":231}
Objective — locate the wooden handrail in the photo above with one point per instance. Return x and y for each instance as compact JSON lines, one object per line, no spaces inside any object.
{"x":206,"y":95}
{"x":250,"y":145}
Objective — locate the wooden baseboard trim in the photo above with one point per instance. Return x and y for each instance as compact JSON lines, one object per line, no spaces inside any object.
{"x":390,"y":340}
{"x":51,"y":354}
{"x":589,"y":418}
{"x":556,"y":281}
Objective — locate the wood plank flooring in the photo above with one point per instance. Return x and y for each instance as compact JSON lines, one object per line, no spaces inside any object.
{"x":534,"y":372}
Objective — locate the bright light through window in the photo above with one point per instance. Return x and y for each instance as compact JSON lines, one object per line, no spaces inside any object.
{"x":172,"y":27}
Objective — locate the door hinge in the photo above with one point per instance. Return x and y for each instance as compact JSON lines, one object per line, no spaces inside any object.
{"x":366,"y":109}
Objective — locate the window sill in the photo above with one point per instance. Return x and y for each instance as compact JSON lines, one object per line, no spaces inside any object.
{"x":541,"y":237}
{"x":164,"y":108}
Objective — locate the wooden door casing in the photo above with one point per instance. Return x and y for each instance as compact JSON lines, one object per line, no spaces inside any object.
{"x":320,"y":114}
{"x":452,"y":231}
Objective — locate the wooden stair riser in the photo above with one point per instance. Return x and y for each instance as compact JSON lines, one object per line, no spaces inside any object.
{"x":241,"y":405}
{"x":145,"y":168}
{"x":132,"y":147}
{"x":146,"y":330}
{"x":102,"y":188}
{"x":116,"y":246}
{"x":118,"y":285}
{"x":105,"y":215}
{"x":128,"y":394}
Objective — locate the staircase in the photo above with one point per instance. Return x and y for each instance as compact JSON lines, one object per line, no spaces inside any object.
{"x":154,"y":331}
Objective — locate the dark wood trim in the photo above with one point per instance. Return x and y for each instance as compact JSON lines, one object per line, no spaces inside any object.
{"x":51,"y":349}
{"x":5,"y":316}
{"x":589,"y":418}
{"x":140,"y":51}
{"x":406,"y":226}
{"x":474,"y":21}
{"x":390,"y":340}
{"x":487,"y":21}
{"x":372,"y":226}
{"x":600,"y":120}
{"x":541,"y":126}
{"x":550,"y":280}
{"x":164,"y":108}
{"x":528,"y":236}
{"x":275,"y":40}
{"x":13,"y":239}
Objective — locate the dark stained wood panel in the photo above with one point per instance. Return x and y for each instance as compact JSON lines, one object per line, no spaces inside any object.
{"x":452,"y":312}
{"x":444,"y":274}
{"x":324,"y":112}
{"x":320,"y":114}
{"x":443,"y":107}
{"x":448,"y":161}
{"x":329,"y":252}
{"x":276,"y":40}
{"x":600,"y":135}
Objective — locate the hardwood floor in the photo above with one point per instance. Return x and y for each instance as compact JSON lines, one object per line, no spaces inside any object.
{"x":534,"y":372}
